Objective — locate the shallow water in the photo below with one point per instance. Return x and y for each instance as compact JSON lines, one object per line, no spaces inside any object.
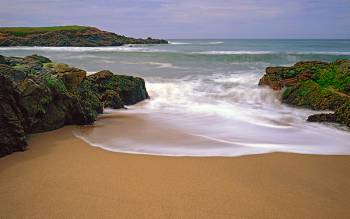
{"x":204,"y":98}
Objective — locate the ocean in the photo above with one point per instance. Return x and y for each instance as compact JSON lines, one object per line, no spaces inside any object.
{"x":205,"y":99}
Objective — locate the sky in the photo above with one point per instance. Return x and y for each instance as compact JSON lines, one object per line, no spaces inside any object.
{"x":173,"y":19}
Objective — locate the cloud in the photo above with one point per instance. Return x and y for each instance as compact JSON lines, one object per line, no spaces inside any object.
{"x":203,"y":10}
{"x":188,"y":18}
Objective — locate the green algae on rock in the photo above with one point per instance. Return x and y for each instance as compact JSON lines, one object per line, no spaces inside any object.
{"x":38,"y":95}
{"x":314,"y":85}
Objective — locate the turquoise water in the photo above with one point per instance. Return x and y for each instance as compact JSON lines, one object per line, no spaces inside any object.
{"x":205,"y":92}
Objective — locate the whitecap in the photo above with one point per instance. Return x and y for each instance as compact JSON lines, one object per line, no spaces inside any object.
{"x":179,"y":43}
{"x":234,"y":52}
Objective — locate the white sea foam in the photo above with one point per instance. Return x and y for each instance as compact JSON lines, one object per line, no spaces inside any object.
{"x":222,"y":115}
{"x":212,"y":43}
{"x":319,"y":53}
{"x":179,"y":43}
{"x":195,"y":43}
{"x":270,"y":52}
{"x":234,"y":52}
{"x":155,"y":64}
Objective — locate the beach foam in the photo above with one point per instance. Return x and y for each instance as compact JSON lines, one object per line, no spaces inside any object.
{"x":217,"y":115}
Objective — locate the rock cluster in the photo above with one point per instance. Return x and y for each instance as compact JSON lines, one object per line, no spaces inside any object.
{"x":37,"y":95}
{"x":315,"y":85}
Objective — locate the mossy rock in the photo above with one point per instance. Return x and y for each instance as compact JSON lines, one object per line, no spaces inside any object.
{"x":131,"y":90}
{"x":38,"y":95}
{"x":343,"y":114}
{"x":111,"y":99}
{"x":14,"y":74}
{"x":70,"y":76}
{"x":12,"y":133}
{"x":38,"y":58}
{"x":309,"y":94}
{"x":2,"y":60}
{"x":89,"y":100}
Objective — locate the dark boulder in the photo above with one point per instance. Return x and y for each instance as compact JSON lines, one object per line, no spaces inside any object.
{"x":343,"y":114}
{"x":37,"y":95}
{"x":2,"y":60}
{"x":322,"y":117}
{"x":12,"y":134}
{"x":130,"y":89}
{"x":111,"y":99}
{"x":89,"y":100}
{"x":70,"y":76}
{"x":12,"y":73}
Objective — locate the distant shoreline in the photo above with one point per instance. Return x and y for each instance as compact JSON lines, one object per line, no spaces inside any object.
{"x":67,"y":36}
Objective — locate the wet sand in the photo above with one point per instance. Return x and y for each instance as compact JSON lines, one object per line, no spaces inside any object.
{"x":60,"y":176}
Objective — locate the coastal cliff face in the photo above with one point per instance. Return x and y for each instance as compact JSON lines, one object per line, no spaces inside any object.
{"x":66,"y":36}
{"x":38,"y":95}
{"x":314,"y":85}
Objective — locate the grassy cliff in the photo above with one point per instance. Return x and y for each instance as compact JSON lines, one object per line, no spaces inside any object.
{"x":66,"y":36}
{"x":23,"y":31}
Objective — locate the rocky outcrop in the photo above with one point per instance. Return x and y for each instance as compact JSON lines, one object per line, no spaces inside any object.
{"x":37,"y":95}
{"x":120,"y":89}
{"x":315,"y":85}
{"x":11,"y":119}
{"x":66,"y":36}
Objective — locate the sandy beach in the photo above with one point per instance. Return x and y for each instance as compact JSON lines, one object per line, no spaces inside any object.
{"x":60,"y":176}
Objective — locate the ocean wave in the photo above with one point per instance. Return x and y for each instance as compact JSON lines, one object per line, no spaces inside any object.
{"x":195,"y":43}
{"x":233,"y":52}
{"x":155,"y":64}
{"x":319,"y":53}
{"x":247,"y":52}
{"x":179,"y":43}
{"x":212,"y":43}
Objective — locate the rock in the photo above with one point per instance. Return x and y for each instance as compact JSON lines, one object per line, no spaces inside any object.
{"x":111,"y":99}
{"x":13,"y":61}
{"x":12,"y":135}
{"x":2,"y":60}
{"x":70,"y":76}
{"x":323,"y":117}
{"x":35,"y":98}
{"x":343,"y":114}
{"x":309,"y":94}
{"x":12,"y":73}
{"x":280,"y":77}
{"x":130,"y":89}
{"x":38,"y":58}
{"x":101,"y":76}
{"x":37,"y":95}
{"x":310,"y":65}
{"x":315,"y":85}
{"x":89,"y":100}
